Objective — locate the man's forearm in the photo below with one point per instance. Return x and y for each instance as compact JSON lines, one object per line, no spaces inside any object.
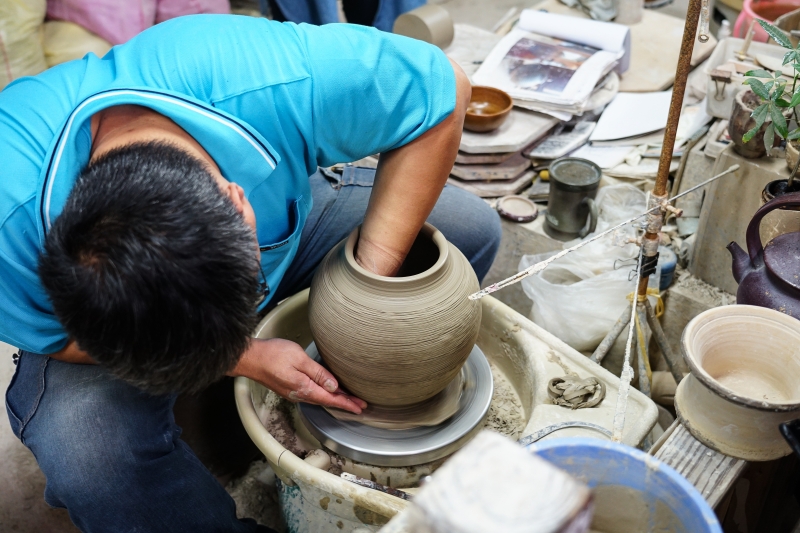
{"x":407,"y":184}
{"x":72,"y":354}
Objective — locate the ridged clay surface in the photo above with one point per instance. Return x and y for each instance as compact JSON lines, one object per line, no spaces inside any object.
{"x":395,"y":341}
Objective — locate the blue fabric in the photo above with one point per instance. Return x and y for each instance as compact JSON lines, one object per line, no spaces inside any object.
{"x":326,"y":12}
{"x":112,"y":453}
{"x":270,"y":102}
{"x":340,"y":202}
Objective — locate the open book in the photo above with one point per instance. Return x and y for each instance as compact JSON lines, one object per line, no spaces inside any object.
{"x":555,"y":59}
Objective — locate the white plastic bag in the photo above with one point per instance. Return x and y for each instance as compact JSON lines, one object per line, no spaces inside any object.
{"x":21,"y":51}
{"x":579,"y":297}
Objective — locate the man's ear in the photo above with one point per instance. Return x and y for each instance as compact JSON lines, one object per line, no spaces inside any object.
{"x":236,"y":195}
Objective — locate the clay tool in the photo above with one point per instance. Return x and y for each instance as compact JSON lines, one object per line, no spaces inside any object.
{"x":742,"y":54}
{"x":375,"y":486}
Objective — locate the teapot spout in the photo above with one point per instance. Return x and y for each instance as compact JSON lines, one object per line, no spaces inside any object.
{"x":741,"y":262}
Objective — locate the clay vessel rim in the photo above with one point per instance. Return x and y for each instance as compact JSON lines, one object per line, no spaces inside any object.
{"x":727,"y":311}
{"x":502,"y":94}
{"x":435,"y":235}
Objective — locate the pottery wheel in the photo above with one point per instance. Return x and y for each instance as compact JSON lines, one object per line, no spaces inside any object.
{"x":412,"y":446}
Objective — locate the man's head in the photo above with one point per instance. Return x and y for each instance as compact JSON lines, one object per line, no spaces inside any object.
{"x":151,"y":269}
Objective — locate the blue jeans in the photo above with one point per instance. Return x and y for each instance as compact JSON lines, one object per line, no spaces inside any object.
{"x":112,"y":454}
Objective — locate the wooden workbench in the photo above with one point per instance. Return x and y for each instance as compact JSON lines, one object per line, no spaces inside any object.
{"x":712,"y":473}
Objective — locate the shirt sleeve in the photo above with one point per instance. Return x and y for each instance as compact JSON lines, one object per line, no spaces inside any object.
{"x":30,"y":110}
{"x":373,"y":91}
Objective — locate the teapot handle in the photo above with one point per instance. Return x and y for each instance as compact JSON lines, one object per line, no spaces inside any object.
{"x":754,"y":246}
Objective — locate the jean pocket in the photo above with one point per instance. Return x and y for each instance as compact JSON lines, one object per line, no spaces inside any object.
{"x":359,"y":176}
{"x":25,"y":391}
{"x":351,"y":175}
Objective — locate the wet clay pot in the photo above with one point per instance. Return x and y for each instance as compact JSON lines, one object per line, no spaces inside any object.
{"x":741,"y":122}
{"x":745,"y":365}
{"x":395,"y":341}
{"x":768,"y":275}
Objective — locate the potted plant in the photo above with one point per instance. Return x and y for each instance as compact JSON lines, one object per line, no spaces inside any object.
{"x":778,"y":103}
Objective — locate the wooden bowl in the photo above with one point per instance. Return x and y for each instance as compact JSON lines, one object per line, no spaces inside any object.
{"x":488,"y":109}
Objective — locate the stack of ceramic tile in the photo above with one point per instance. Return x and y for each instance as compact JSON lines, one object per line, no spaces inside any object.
{"x":492,"y":164}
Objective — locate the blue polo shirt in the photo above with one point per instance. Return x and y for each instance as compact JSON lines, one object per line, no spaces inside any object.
{"x":268,"y":101}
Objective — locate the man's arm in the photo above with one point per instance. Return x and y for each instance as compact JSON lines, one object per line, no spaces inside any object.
{"x":407,"y":184}
{"x":279,"y":364}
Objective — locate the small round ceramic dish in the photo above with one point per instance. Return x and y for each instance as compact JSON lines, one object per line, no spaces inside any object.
{"x":517,"y":208}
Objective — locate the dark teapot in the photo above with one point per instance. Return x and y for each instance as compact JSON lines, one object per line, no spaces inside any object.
{"x":770,"y":275}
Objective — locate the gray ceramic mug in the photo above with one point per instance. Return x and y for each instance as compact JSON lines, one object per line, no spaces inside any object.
{"x":573,"y":187}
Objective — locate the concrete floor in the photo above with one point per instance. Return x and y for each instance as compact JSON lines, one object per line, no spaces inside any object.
{"x":22,"y":507}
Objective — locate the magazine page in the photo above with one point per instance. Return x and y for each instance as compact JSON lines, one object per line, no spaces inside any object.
{"x":601,"y":35}
{"x":534,"y":67}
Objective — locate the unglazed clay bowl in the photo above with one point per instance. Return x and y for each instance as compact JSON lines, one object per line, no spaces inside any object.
{"x":745,"y":363}
{"x":395,"y":341}
{"x":487,"y":110}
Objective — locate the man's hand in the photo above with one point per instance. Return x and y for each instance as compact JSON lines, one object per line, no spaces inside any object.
{"x":283,"y":367}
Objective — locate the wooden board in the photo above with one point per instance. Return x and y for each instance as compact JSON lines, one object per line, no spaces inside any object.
{"x":655,"y":47}
{"x":711,"y":472}
{"x":518,"y":131}
{"x":464,"y":158}
{"x":494,"y":189}
{"x":507,"y":170}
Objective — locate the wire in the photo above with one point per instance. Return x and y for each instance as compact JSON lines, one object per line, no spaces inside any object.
{"x":541,"y":265}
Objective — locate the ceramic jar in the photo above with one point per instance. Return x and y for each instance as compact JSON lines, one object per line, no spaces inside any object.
{"x":745,"y":367}
{"x":400,"y":340}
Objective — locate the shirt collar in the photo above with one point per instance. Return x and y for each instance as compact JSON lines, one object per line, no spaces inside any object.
{"x":241,"y":153}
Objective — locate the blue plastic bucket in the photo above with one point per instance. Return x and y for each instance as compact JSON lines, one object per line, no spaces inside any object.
{"x":620,"y":475}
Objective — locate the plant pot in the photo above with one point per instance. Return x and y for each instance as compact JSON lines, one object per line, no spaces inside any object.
{"x":745,"y":370}
{"x":741,"y":122}
{"x":395,"y":341}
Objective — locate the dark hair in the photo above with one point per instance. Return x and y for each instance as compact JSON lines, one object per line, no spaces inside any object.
{"x":151,"y":269}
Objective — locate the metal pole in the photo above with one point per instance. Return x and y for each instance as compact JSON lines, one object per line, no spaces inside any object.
{"x":681,"y":73}
{"x":656,"y":221}
{"x":612,"y":336}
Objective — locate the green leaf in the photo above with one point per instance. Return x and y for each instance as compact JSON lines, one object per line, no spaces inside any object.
{"x":750,"y":134}
{"x":779,"y":121}
{"x":769,"y":137}
{"x":759,"y":114}
{"x":795,"y":99}
{"x":768,"y":87}
{"x":780,"y":102}
{"x":793,"y":56}
{"x":776,"y":34}
{"x":760,"y":73}
{"x":794,"y":135}
{"x":758,"y":88}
